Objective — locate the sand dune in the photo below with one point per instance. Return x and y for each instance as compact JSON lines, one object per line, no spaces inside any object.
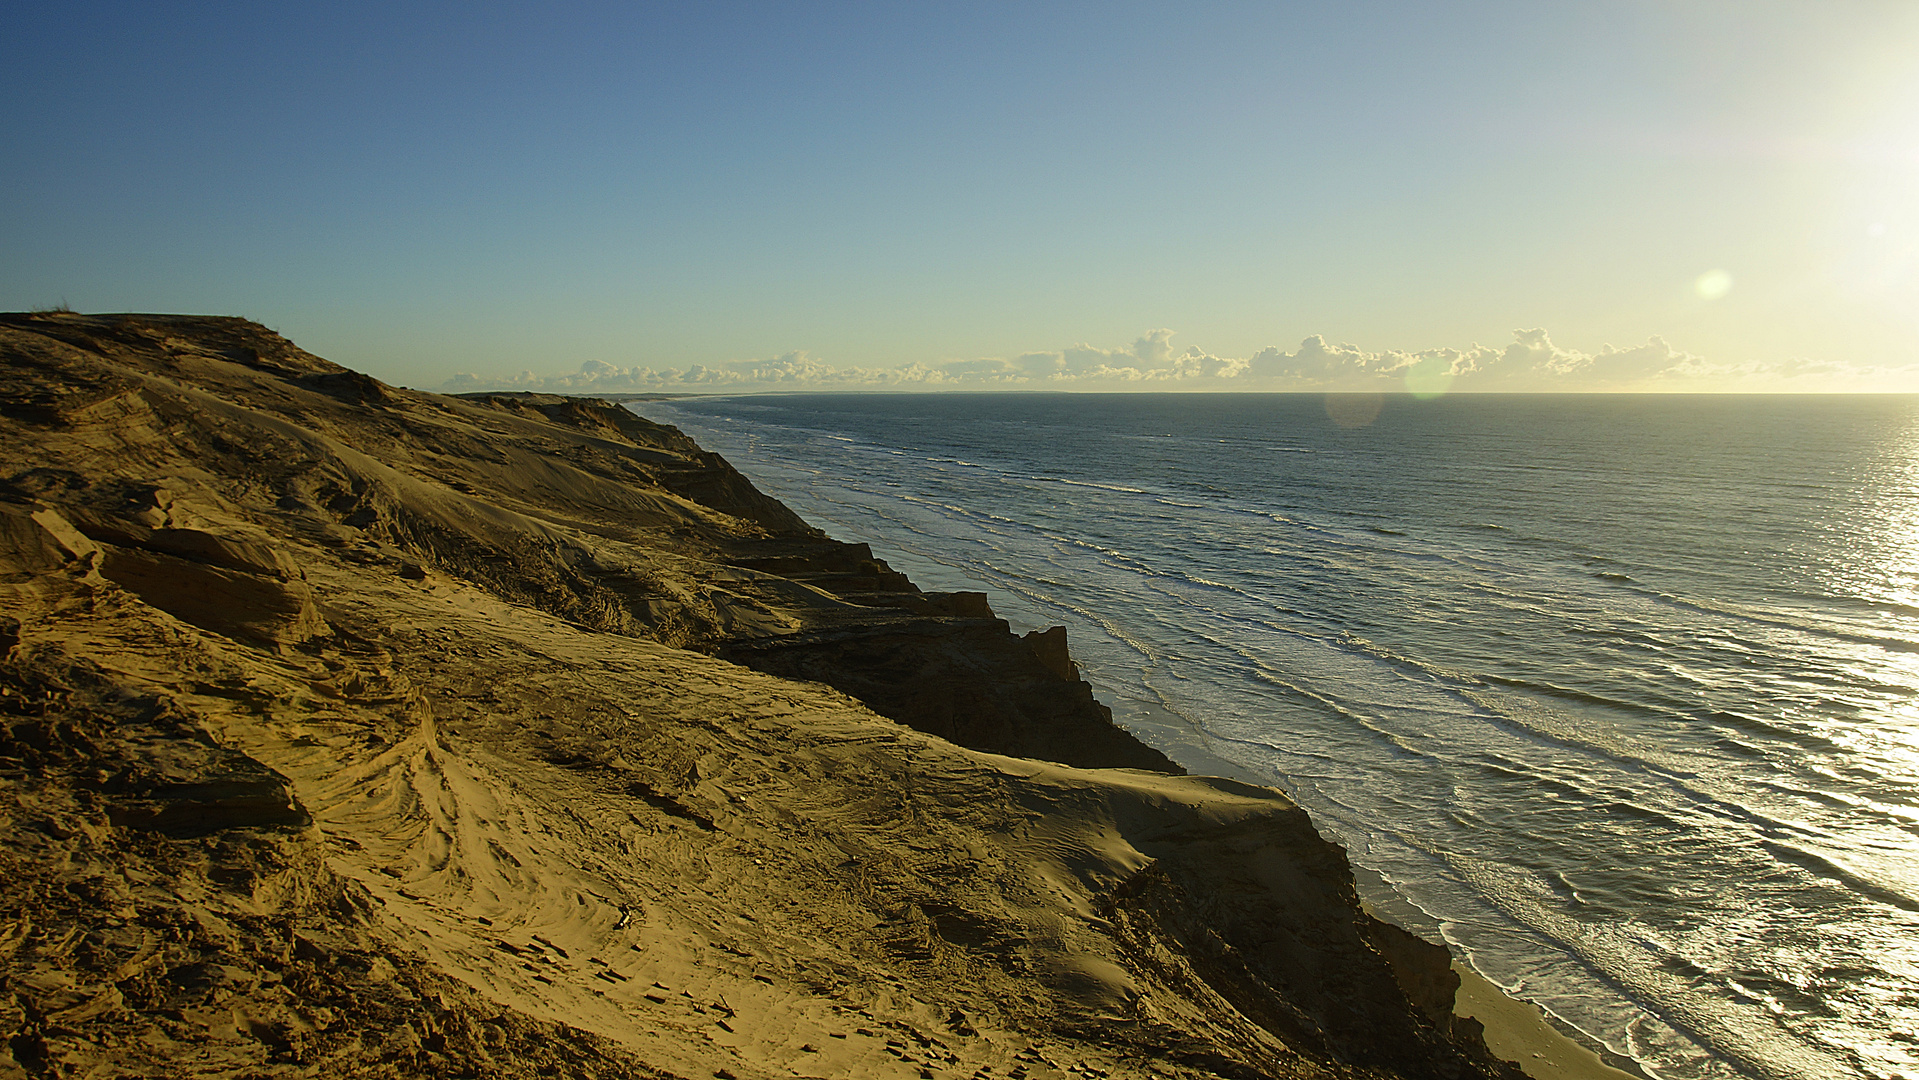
{"x":356,"y":731}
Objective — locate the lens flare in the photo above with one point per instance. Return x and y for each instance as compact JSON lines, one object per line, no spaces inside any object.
{"x":1713,"y":284}
{"x":1354,"y":410}
{"x":1430,"y":377}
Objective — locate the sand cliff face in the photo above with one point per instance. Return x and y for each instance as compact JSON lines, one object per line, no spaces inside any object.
{"x":351,"y":730}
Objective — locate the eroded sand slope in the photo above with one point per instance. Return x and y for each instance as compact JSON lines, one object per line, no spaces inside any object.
{"x":355,"y":731}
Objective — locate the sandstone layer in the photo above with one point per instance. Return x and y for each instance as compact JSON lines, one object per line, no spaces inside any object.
{"x":352,"y":731}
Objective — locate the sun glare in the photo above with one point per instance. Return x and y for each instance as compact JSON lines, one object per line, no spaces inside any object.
{"x":1712,"y":284}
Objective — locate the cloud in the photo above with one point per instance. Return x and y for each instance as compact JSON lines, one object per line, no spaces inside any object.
{"x":1151,"y":358}
{"x":1313,"y":361}
{"x":1531,"y":361}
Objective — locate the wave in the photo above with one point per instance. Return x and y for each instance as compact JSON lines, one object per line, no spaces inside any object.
{"x":1835,"y":871}
{"x":1526,"y":661}
{"x":1648,"y":970}
{"x":1089,"y":484}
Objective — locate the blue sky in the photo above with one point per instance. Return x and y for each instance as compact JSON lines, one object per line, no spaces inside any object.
{"x":1614,"y":195}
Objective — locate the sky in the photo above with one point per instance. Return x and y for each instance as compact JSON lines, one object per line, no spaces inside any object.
{"x":1614,"y":195}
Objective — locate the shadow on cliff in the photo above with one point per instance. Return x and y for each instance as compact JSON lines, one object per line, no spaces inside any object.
{"x":210,"y":470}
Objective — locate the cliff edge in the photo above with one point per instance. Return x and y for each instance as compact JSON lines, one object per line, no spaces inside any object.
{"x":348,"y":730}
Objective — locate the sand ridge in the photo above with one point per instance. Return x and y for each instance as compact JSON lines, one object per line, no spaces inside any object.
{"x":355,"y":731}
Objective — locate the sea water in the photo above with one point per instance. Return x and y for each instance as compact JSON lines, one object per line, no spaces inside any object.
{"x":1620,"y":695}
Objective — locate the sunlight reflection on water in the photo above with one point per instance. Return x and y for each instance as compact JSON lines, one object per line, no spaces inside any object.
{"x":1623,"y":693}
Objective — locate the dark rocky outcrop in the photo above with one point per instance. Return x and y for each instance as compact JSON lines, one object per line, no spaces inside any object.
{"x":1050,"y":646}
{"x":967,"y":680}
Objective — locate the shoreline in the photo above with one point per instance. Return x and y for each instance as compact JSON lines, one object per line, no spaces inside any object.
{"x":388,"y":731}
{"x":1516,"y":1029}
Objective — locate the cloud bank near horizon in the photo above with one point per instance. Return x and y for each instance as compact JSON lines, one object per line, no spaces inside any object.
{"x":1530,"y":362}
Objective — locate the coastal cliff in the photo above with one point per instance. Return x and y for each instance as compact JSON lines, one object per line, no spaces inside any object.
{"x":349,"y":730}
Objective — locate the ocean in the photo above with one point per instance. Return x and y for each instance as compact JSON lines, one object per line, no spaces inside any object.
{"x":1617,"y":694}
